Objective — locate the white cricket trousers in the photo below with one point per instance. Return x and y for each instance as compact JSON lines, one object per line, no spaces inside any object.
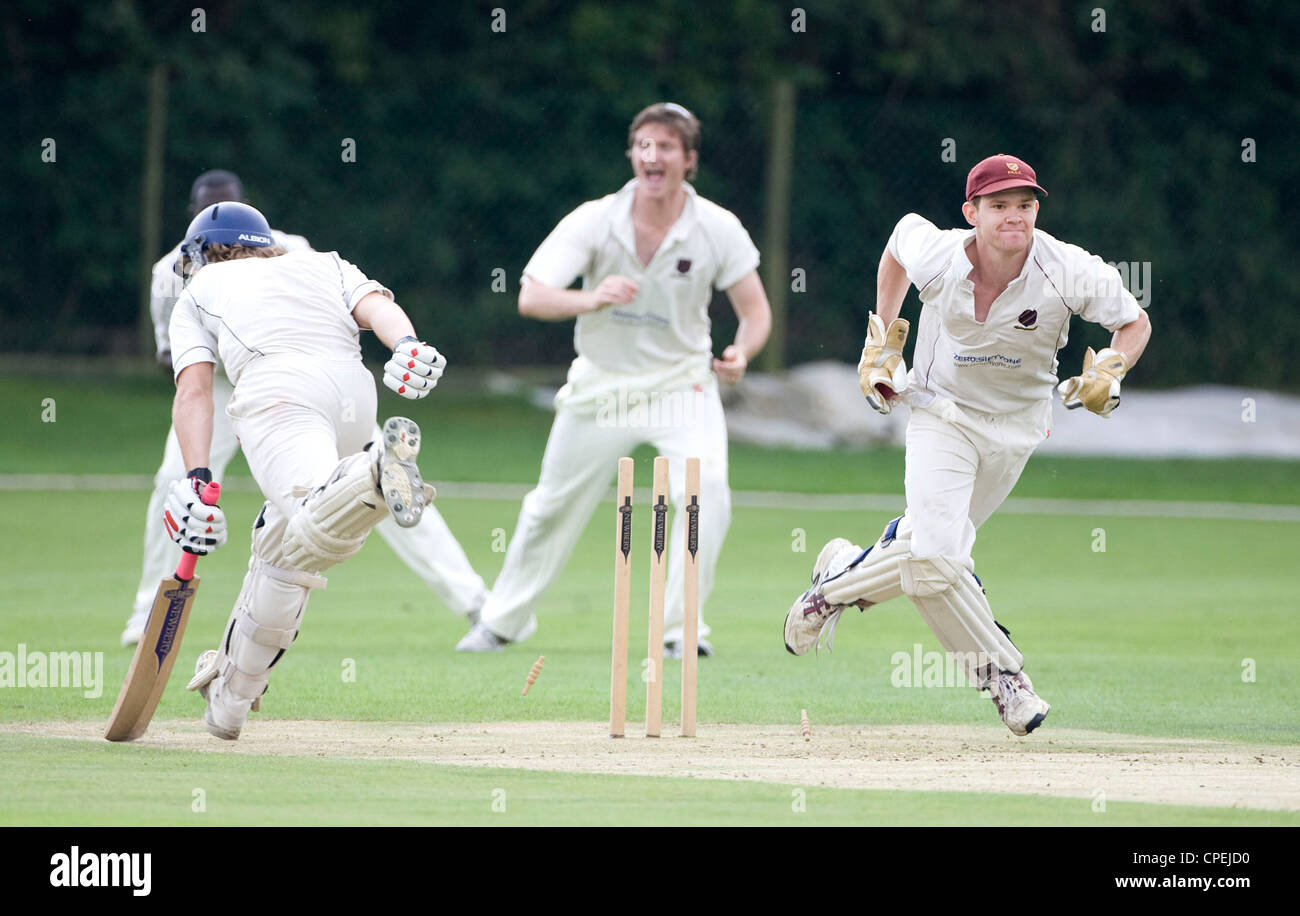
{"x":961,"y":464}
{"x":580,"y":462}
{"x":429,"y":549}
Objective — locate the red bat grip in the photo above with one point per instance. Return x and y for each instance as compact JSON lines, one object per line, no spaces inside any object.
{"x":185,"y":569}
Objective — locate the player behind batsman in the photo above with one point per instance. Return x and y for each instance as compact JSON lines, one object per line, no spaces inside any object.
{"x":286,"y":326}
{"x":997,"y":300}
{"x":650,"y":257}
{"x":430,"y":549}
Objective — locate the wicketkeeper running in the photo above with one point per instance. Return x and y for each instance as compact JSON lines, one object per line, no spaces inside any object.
{"x":997,"y":301}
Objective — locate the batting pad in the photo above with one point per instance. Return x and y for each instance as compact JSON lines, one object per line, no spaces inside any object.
{"x":874,"y":576}
{"x":335,"y":519}
{"x":952,"y":603}
{"x":264,"y":623}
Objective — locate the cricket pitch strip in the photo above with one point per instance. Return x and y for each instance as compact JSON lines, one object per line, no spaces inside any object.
{"x":1054,"y":762}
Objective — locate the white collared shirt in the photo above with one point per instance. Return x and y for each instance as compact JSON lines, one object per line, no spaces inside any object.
{"x":667,"y":324}
{"x":297,"y":305}
{"x":166,"y":286}
{"x":1008,"y":361}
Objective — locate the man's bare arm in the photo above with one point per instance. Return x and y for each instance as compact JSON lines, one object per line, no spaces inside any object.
{"x":385,"y":317}
{"x":1131,"y":340}
{"x":549,"y":303}
{"x":754,"y":324}
{"x":891,"y":288}
{"x":192,"y":414}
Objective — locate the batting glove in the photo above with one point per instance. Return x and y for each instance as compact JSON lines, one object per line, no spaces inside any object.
{"x":882,"y":374}
{"x":1097,"y":387}
{"x":414,"y":369}
{"x":198,"y":528}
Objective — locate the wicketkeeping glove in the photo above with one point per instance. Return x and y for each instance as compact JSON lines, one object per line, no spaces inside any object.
{"x":414,"y":369}
{"x":881,"y":371}
{"x":198,"y":528}
{"x":1097,"y":387}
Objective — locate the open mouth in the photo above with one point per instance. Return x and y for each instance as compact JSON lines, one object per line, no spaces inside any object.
{"x":654,"y":177}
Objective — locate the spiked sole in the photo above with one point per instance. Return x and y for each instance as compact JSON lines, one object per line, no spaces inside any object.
{"x":399,"y":478}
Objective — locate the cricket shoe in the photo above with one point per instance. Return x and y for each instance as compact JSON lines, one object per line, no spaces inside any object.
{"x":135,"y":628}
{"x":1021,"y":708}
{"x":481,"y":639}
{"x":812,"y":617}
{"x":224,"y":716}
{"x":703,"y":648}
{"x":399,"y":478}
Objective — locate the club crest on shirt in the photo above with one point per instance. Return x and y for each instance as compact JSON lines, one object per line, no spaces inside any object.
{"x":683,"y":265}
{"x":1028,"y":318}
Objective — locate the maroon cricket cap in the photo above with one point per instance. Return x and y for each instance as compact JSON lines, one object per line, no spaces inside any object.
{"x":998,"y":173}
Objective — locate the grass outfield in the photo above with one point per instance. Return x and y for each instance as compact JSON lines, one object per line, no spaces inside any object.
{"x":117,"y":425}
{"x":1181,"y":628}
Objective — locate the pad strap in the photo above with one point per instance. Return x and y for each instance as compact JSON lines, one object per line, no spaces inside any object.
{"x":251,"y":630}
{"x":244,"y":686}
{"x":291,"y":576}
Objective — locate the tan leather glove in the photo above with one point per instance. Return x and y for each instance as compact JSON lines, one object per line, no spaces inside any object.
{"x":1097,"y":387}
{"x":882,"y":374}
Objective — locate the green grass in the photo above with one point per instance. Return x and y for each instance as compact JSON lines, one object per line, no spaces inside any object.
{"x":1150,"y":637}
{"x":117,"y":425}
{"x":83,"y":783}
{"x":1127,"y":640}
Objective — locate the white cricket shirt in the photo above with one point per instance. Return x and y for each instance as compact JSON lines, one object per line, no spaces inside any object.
{"x":662,"y":337}
{"x":295,"y":305}
{"x":166,"y":286}
{"x":1008,"y":361}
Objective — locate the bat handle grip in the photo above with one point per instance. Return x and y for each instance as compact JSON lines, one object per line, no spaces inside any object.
{"x":185,"y":569}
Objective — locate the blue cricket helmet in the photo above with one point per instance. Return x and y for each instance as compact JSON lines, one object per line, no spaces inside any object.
{"x":225,"y":223}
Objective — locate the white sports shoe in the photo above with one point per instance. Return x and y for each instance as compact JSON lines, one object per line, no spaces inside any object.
{"x":399,"y":478}
{"x":1021,"y":708}
{"x":481,"y":639}
{"x":224,"y":716}
{"x":811,"y":613}
{"x":135,"y":628}
{"x":703,"y":648}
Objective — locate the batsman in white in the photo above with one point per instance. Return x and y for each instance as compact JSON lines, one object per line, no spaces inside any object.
{"x":287,"y":328}
{"x":430,"y":549}
{"x":650,"y":257}
{"x":997,"y":300}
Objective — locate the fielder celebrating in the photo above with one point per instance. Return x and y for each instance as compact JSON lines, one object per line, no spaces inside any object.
{"x":286,"y":326}
{"x":996,"y":306}
{"x":649,"y":257}
{"x":430,"y":549}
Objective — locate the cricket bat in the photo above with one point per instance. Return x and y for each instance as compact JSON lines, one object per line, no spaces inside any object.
{"x":156,"y":652}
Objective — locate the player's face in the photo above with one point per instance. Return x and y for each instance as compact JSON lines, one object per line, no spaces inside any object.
{"x":1004,"y":221}
{"x":659,"y":160}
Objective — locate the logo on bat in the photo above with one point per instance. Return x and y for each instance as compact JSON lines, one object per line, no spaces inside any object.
{"x":175,"y":605}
